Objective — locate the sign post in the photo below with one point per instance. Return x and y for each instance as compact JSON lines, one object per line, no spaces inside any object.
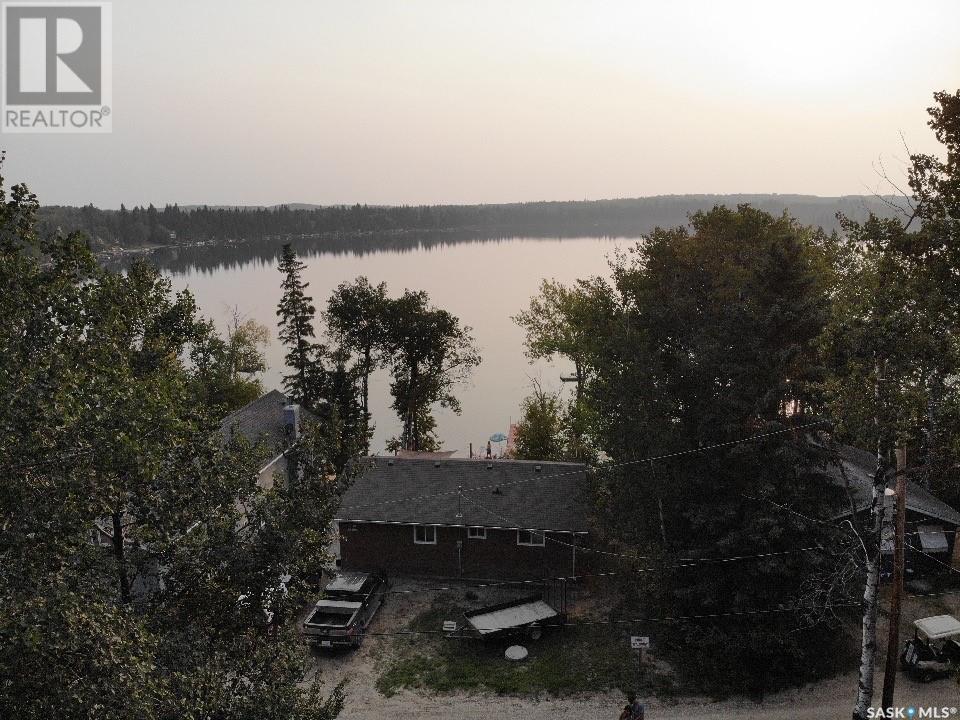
{"x":640,"y":643}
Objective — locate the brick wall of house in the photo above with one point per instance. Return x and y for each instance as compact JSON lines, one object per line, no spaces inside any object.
{"x":391,"y":548}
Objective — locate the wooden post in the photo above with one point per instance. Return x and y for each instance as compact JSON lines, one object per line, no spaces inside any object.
{"x":896,"y":591}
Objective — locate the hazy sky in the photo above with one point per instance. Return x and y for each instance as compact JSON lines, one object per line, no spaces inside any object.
{"x":436,"y":102}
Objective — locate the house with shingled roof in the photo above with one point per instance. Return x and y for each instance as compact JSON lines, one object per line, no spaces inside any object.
{"x":272,"y":423}
{"x":931,"y":524}
{"x":447,"y":517}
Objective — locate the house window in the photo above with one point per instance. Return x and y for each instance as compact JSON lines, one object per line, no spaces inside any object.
{"x":425,"y":534}
{"x":530,"y":537}
{"x":477,"y":533}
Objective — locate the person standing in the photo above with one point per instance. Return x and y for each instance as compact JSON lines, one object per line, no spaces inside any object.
{"x":633,"y":710}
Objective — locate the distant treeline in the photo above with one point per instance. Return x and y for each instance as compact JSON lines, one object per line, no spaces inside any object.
{"x":137,"y":227}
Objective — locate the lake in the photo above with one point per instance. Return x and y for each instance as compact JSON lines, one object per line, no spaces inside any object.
{"x":482,"y":281}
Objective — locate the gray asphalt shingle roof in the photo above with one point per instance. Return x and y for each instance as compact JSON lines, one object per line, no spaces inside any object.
{"x":496,"y":493}
{"x":262,"y":421}
{"x":859,"y":467}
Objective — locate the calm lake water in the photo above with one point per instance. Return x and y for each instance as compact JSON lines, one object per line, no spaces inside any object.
{"x":483,"y":282}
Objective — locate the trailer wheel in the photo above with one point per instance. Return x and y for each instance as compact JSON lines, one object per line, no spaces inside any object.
{"x":927,"y":676}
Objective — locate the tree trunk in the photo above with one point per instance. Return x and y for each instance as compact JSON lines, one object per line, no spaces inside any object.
{"x":120,"y":557}
{"x":932,"y":431}
{"x":365,"y":396}
{"x":411,"y":439}
{"x":893,"y":628}
{"x":871,"y":596}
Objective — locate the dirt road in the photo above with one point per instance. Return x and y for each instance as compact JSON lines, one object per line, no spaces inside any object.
{"x":824,"y":701}
{"x":830,"y":700}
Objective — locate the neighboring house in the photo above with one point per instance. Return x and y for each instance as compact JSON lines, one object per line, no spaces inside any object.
{"x":465,"y":518}
{"x":931,"y":524}
{"x":274,"y":423}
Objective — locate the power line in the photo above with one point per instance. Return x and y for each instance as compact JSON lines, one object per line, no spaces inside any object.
{"x":640,"y":621}
{"x":596,"y":468}
{"x":683,"y":562}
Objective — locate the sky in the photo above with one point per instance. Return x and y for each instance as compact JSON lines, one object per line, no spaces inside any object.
{"x":239,"y":102}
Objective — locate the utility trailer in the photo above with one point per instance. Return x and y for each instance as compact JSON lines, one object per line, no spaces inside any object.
{"x":527,"y":616}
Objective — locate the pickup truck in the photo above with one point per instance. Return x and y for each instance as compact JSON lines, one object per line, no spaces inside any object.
{"x":340,"y":618}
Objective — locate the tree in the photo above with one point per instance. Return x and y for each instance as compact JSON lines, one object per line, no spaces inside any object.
{"x":356,"y":317}
{"x":703,"y":337}
{"x":429,"y":354}
{"x":296,"y":312}
{"x":551,"y":428}
{"x":345,"y":417}
{"x":101,"y":437}
{"x":226,"y":370}
{"x":562,"y":321}
{"x":539,"y":433}
{"x":893,"y":343}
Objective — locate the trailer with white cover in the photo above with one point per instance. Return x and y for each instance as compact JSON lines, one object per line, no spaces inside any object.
{"x":526,"y":616}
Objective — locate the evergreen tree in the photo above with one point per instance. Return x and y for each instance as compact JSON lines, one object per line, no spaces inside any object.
{"x":304,"y":357}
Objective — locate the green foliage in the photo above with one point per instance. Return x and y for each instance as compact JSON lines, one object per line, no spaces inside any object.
{"x":139,"y":556}
{"x":894,"y":338}
{"x":356,"y":318}
{"x":296,"y":313}
{"x":429,"y":354}
{"x":551,"y":428}
{"x":564,"y":321}
{"x":705,"y":336}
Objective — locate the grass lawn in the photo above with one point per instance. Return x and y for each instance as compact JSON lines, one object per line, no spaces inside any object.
{"x":581,"y":658}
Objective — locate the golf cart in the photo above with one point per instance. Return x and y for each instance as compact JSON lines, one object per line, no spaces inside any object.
{"x":934,"y":649}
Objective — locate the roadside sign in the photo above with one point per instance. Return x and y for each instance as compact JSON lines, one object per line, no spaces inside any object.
{"x":449,"y":625}
{"x":639,"y":642}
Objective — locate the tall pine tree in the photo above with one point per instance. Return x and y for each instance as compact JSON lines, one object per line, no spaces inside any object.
{"x":304,"y":357}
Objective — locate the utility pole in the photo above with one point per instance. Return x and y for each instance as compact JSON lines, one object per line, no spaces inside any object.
{"x":893,"y":632}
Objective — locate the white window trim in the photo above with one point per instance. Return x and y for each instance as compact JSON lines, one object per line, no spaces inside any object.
{"x":425,"y":542}
{"x":534,"y":536}
{"x":476,"y":533}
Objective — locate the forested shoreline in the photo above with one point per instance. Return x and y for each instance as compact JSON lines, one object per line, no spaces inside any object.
{"x":140,"y":227}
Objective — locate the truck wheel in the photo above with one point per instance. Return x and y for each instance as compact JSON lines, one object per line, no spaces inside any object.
{"x":536,"y":632}
{"x":927,"y":676}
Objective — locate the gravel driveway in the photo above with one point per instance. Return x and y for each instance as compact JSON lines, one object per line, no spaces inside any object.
{"x":360,"y":669}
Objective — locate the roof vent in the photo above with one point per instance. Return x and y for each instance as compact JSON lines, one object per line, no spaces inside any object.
{"x":436,"y":463}
{"x":489,"y":466}
{"x":537,"y":468}
{"x":390,"y":462}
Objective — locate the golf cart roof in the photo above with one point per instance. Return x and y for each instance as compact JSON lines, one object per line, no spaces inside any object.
{"x":938,"y":626}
